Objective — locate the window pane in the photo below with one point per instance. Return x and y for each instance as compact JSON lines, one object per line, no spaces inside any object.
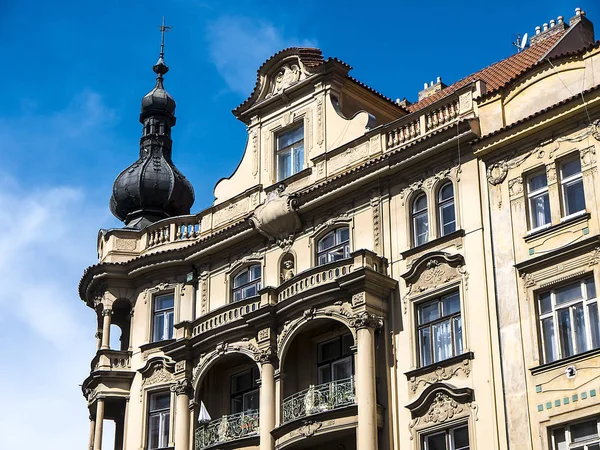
{"x":559,"y":439}
{"x":169,"y":330}
{"x":322,"y":260}
{"x":159,"y":327}
{"x":153,"y":431}
{"x":237,"y":404}
{"x":343,"y":234}
{"x":545,"y":303}
{"x":347,"y":342}
{"x":580,"y":333}
{"x":448,"y":218}
{"x":574,"y":198}
{"x":537,"y":182}
{"x":164,"y":430}
{"x":451,"y":304}
{"x":458,"y":345}
{"x":429,"y":312}
{"x":425,"y":344}
{"x":298,"y":158}
{"x":568,"y":293}
{"x":249,"y":291}
{"x":329,"y":350}
{"x":550,"y":350}
{"x":461,"y":438}
{"x":163,"y":302}
{"x":326,"y":242}
{"x":255,"y":272}
{"x":594,"y":325}
{"x":289,"y":137}
{"x":540,"y":210}
{"x":436,"y":442}
{"x":324,"y":374}
{"x":442,"y":339}
{"x":284,"y":165}
{"x":241,"y":382}
{"x":590,"y":288}
{"x":571,"y":168}
{"x":342,"y":369}
{"x":160,"y":401}
{"x":250,"y":400}
{"x":564,"y":331}
{"x":420,"y":203}
{"x":446,"y":192}
{"x":421,"y":225}
{"x":583,"y":431}
{"x":241,"y":278}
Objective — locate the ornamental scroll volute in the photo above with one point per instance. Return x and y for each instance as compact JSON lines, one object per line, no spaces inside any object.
{"x":277,"y":218}
{"x":433,"y":270}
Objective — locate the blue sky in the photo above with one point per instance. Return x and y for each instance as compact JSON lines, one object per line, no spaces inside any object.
{"x":73,"y":76}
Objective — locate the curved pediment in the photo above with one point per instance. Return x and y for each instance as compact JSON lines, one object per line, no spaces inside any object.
{"x":430,"y":262}
{"x":440,"y":397}
{"x":282,"y":70}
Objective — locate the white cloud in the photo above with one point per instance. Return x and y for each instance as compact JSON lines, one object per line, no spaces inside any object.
{"x":47,"y":238}
{"x":239,"y":45}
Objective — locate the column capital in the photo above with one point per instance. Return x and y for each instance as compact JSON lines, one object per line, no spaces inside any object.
{"x":366,"y":319}
{"x":182,"y":387}
{"x":265,"y":356}
{"x":107,"y":312}
{"x":98,"y":334}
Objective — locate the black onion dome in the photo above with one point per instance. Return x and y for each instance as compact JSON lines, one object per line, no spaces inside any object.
{"x":152,"y":188}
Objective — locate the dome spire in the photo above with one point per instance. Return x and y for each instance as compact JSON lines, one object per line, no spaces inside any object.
{"x":152,"y":188}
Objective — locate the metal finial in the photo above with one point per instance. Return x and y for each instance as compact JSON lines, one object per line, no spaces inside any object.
{"x":160,"y":67}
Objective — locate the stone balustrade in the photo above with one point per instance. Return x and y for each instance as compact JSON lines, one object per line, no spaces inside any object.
{"x":314,"y":277}
{"x":441,"y":116}
{"x":111,"y":360}
{"x":224,"y":315}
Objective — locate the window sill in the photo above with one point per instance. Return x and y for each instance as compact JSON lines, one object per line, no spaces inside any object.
{"x":430,"y":244}
{"x":564,"y":223}
{"x":157,"y":344}
{"x":445,"y":363}
{"x":564,"y":362}
{"x":287,"y":181}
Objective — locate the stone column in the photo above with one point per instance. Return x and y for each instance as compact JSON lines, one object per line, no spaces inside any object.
{"x":92,"y":429}
{"x":365,"y":324}
{"x":106,"y":313}
{"x":182,"y":390}
{"x":99,"y":423}
{"x":267,"y":399}
{"x":98,"y":337}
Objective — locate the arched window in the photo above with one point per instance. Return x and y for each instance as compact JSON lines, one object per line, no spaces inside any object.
{"x":334,"y":246}
{"x":420,"y":220}
{"x":246,"y":283}
{"x":447,"y":215}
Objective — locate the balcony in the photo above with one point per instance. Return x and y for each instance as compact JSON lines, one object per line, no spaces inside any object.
{"x":226,"y":429}
{"x":111,"y":360}
{"x":319,"y":398}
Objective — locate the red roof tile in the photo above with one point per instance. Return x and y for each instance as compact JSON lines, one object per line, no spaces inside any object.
{"x":498,"y":74}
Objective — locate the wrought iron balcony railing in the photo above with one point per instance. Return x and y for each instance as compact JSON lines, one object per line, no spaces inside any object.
{"x":315,"y":399}
{"x":225,"y":429}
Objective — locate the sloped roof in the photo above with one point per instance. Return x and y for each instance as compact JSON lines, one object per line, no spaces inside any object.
{"x":498,"y":74}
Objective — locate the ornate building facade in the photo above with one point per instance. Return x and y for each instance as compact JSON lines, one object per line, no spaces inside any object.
{"x":376,"y":274}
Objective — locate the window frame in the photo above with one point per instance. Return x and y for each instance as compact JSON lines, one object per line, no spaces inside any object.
{"x":444,"y":203}
{"x":164,"y":420}
{"x":570,"y":180}
{"x":331,"y":362}
{"x":567,"y":434}
{"x":533,"y":195}
{"x":449,"y":433}
{"x":290,"y":147}
{"x":241,"y":394}
{"x":442,"y":318}
{"x":585,"y":300}
{"x":417,"y":214}
{"x":341,"y":245}
{"x":170,"y":332}
{"x":256,"y":282}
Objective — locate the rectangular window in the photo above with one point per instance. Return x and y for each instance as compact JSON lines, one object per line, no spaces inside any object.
{"x":568,"y":318}
{"x":571,"y":183}
{"x":456,"y":438}
{"x":334,"y":359}
{"x":576,"y":436}
{"x":538,"y":200}
{"x":439,"y":329}
{"x":159,"y":414}
{"x":163,"y":316}
{"x":245,"y":391}
{"x":290,"y":152}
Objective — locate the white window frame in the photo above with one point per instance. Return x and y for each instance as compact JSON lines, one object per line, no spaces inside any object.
{"x":449,"y":435}
{"x":585,"y":300}
{"x":416,"y":214}
{"x":337,"y":245}
{"x":532,"y":195}
{"x":583,"y":445}
{"x":164,"y":415}
{"x":167,"y":331}
{"x":445,"y":203}
{"x":291,"y":147}
{"x":256,"y":282}
{"x":570,"y":180}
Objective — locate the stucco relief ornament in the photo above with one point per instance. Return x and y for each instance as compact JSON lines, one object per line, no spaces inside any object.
{"x":442,"y":408}
{"x":277,"y":218}
{"x":366,"y":320}
{"x":286,"y":76}
{"x":309,"y":427}
{"x":181,"y":387}
{"x":264,"y":356}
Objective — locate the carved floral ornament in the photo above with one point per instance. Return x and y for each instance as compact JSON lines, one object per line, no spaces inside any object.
{"x":160,"y":287}
{"x":430,"y":181}
{"x":440,"y":374}
{"x":497,"y":171}
{"x":440,"y":403}
{"x":277,"y":218}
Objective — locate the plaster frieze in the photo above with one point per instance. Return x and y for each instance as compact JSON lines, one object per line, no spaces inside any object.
{"x":440,"y":374}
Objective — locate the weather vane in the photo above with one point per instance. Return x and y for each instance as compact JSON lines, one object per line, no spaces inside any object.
{"x":162,"y":29}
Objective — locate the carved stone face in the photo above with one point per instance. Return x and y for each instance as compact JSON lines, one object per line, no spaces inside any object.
{"x":289,"y":264}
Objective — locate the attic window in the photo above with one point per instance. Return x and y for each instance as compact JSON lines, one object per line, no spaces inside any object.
{"x":290,"y":152}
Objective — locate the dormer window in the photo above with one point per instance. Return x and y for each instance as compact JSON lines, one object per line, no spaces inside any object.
{"x":290,"y":152}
